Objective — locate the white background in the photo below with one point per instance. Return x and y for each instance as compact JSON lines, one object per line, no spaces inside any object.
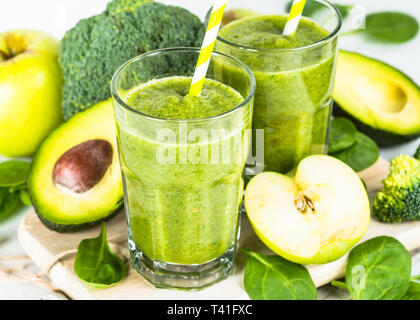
{"x":57,"y":16}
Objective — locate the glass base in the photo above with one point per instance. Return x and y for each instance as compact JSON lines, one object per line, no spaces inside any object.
{"x":187,"y":277}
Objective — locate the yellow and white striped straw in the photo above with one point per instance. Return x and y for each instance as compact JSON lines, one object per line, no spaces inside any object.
{"x":294,"y":17}
{"x":207,"y":47}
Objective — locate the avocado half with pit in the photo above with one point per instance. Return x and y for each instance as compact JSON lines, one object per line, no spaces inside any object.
{"x":75,"y":179}
{"x":382,"y":101}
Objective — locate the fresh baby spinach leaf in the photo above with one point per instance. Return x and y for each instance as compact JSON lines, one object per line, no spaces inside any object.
{"x":24,"y":197}
{"x":378,"y":269}
{"x":274,"y":278}
{"x":13,"y":173}
{"x":344,"y":9}
{"x":413,"y":292}
{"x":394,"y":27}
{"x":9,"y":202}
{"x":342,"y":134}
{"x":96,"y":264}
{"x":311,"y":7}
{"x":361,"y":155}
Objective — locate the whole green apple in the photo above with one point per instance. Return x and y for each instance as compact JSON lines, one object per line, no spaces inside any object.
{"x":30,"y":90}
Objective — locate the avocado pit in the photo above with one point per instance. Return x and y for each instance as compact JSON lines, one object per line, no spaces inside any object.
{"x":83,"y":166}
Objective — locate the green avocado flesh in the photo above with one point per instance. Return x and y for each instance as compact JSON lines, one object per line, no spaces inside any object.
{"x":382,"y":101}
{"x":60,"y":205}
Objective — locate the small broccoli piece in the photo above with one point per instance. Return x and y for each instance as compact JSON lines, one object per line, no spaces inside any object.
{"x":92,"y":51}
{"x":118,"y":6}
{"x":417,"y":154}
{"x":399,"y":200}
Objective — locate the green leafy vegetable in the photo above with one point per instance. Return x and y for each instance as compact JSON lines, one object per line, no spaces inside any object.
{"x":339,"y":284}
{"x":96,"y":264}
{"x":393,"y":27}
{"x":360,"y":155}
{"x":24,"y":197}
{"x":13,"y":173}
{"x":413,"y":292}
{"x":13,"y":189}
{"x":344,"y":9}
{"x":342,"y":134}
{"x":9,"y":202}
{"x":311,"y":7}
{"x":378,"y":269}
{"x":274,"y":278}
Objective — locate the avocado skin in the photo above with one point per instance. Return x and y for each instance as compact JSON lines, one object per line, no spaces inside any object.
{"x":381,"y":137}
{"x":69,"y":228}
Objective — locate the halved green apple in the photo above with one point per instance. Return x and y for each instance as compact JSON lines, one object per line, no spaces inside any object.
{"x":312,"y":218}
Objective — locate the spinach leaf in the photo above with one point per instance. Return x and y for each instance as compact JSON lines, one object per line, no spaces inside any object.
{"x":378,"y":269}
{"x":360,"y":155}
{"x":96,"y":264}
{"x":342,"y":134}
{"x":339,"y":284}
{"x":9,"y":202}
{"x":13,"y":173}
{"x":394,"y":27}
{"x":344,"y":9}
{"x":311,"y":7}
{"x":413,"y":292}
{"x":24,"y":197}
{"x":274,"y":278}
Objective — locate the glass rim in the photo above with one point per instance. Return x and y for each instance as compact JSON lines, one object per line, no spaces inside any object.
{"x":318,"y":43}
{"x":121,"y":102}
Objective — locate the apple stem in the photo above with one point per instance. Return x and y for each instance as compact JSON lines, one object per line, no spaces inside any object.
{"x":3,"y":55}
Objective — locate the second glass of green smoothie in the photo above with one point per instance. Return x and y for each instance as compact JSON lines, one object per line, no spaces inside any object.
{"x":294,"y":74}
{"x":182,"y":160}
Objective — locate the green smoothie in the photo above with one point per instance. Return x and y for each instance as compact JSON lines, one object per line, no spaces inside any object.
{"x":183,"y":211}
{"x":293,"y":97}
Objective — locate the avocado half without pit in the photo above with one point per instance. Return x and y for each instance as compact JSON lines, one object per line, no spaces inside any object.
{"x":381,"y":101}
{"x":75,"y":180}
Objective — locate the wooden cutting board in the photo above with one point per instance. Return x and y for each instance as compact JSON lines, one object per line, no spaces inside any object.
{"x":43,"y":245}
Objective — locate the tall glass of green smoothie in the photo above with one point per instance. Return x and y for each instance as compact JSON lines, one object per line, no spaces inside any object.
{"x":294,"y":74}
{"x":182,"y":160}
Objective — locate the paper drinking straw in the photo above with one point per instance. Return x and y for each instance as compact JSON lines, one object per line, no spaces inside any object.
{"x":294,"y":17}
{"x":207,"y":47}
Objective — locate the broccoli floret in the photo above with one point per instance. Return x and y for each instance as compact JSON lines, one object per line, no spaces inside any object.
{"x":417,"y":154}
{"x":92,"y":51}
{"x":399,"y":200}
{"x":118,"y":6}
